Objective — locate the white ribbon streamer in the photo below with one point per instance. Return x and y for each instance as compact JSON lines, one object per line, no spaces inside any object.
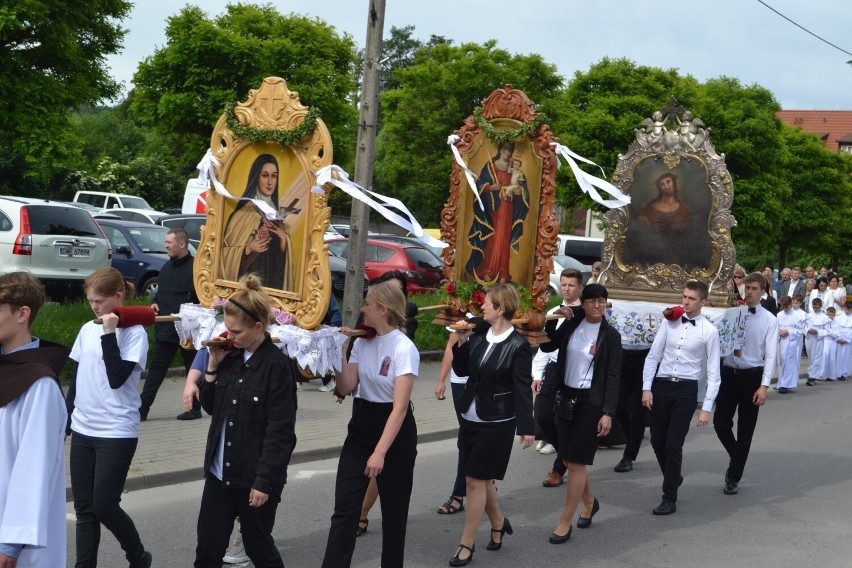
{"x":380,"y":203}
{"x":206,"y":168}
{"x":588,"y":182}
{"x":451,"y":140}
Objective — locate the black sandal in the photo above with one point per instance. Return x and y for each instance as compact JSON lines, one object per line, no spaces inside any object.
{"x":457,"y":560}
{"x":362,"y":529}
{"x":449,"y":507}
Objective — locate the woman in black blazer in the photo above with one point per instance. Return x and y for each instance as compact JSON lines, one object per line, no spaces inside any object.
{"x":497,"y":401}
{"x":587,"y":369}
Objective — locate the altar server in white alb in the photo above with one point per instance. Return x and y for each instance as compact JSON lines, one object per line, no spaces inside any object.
{"x":746,"y":376}
{"x":791,"y":334}
{"x":814,"y":337}
{"x":32,"y":432}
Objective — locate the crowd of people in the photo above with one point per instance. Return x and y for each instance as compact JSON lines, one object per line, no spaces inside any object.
{"x":568,"y":395}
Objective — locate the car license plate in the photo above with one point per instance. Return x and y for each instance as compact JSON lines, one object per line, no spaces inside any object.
{"x":75,"y":252}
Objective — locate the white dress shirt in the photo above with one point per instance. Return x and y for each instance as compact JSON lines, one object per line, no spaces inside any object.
{"x":680,"y":350}
{"x":759,"y":344}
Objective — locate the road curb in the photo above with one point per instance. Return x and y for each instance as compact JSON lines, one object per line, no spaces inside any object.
{"x":136,"y":482}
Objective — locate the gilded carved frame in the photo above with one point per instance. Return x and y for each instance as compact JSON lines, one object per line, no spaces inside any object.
{"x":658,"y":151}
{"x":506,"y":109}
{"x":305,"y":212}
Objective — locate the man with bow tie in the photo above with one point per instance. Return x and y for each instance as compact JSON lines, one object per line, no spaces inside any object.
{"x":680,"y":349}
{"x":746,"y":375}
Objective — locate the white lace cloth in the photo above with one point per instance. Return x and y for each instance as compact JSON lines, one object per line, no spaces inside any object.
{"x":319,"y":350}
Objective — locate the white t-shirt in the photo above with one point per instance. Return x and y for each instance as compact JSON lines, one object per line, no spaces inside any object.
{"x":578,"y":364}
{"x":99,"y":410}
{"x":380,"y":361}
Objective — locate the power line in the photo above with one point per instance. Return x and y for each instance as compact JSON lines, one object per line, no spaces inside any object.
{"x":803,"y":28}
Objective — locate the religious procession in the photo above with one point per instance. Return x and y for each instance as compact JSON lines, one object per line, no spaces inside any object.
{"x":670,"y":334}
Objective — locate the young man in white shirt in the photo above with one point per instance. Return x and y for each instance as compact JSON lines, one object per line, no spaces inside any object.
{"x":746,"y":376}
{"x":680,"y":349}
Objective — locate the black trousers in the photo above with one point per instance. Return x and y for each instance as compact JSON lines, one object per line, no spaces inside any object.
{"x":394,"y":483}
{"x":671,"y":413}
{"x":219,"y":507}
{"x":161,"y":358}
{"x":631,"y":413}
{"x":735,"y":396}
{"x":543,"y":415}
{"x":99,"y":469}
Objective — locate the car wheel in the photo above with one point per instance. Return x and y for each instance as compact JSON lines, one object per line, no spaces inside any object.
{"x":551,"y":293}
{"x":149,"y":287}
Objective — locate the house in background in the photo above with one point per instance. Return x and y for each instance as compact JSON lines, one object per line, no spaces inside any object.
{"x":834,"y":127}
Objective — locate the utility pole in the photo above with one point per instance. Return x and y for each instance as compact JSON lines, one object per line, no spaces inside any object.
{"x":364,"y":152}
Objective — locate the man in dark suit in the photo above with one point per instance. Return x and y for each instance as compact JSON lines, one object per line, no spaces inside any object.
{"x":792,"y":285}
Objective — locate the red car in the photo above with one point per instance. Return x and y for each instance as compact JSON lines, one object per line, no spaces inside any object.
{"x":422,"y":268}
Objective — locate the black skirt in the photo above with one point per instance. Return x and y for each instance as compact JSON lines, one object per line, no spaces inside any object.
{"x":578,"y":437}
{"x":487,"y":447}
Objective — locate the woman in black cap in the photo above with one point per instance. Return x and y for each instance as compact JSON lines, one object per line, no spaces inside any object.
{"x":589,"y":363}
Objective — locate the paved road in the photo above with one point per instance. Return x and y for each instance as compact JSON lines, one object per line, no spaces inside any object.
{"x":792,"y":509}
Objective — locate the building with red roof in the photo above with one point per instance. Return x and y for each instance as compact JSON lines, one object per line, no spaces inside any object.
{"x":834,"y":127}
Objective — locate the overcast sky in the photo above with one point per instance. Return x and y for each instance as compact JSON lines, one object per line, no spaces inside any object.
{"x":735,"y":38}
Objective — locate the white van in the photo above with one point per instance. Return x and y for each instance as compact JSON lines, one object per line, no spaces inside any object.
{"x":195,"y":197}
{"x":106,"y":200}
{"x":585,"y":249}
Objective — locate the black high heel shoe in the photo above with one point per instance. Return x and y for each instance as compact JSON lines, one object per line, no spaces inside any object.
{"x":561,"y":538}
{"x":457,"y":560}
{"x":507,"y":528}
{"x":586,"y":522}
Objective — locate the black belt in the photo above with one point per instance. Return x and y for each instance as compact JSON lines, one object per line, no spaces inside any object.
{"x":571,"y":392}
{"x":672,"y":379}
{"x":749,"y":371}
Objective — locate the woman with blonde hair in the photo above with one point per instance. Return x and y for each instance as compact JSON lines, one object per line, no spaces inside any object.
{"x":382,"y":439}
{"x":103,"y":404}
{"x":251,"y":393}
{"x":496,"y":402}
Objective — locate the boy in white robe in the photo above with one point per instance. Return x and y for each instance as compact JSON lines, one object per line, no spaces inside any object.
{"x":32,"y":432}
{"x":843,"y":358}
{"x":814,"y":335}
{"x":829,"y":347}
{"x":791,"y":330}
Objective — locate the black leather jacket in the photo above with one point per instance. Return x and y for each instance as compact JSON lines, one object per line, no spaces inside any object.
{"x":607,"y":360}
{"x":500,"y":384}
{"x":257,"y":402}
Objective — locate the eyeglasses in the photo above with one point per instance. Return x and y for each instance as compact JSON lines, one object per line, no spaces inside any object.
{"x":597,"y":302}
{"x":738,"y":277}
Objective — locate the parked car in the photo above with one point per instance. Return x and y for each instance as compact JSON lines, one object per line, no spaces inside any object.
{"x":138,"y":215}
{"x":106,"y":200}
{"x":437,"y":251}
{"x":337,"y":266}
{"x":584,"y":249}
{"x":560,"y":263}
{"x":58,"y":243}
{"x":189,"y":222}
{"x":422,"y":268}
{"x":139,"y":252}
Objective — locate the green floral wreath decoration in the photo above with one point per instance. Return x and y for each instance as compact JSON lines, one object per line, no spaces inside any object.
{"x":500,"y":136}
{"x":283,"y":137}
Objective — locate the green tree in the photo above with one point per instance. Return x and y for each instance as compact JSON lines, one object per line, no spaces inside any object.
{"x":600,"y":109}
{"x":182,"y":89}
{"x":436,"y":92}
{"x":816,"y":217}
{"x":52,"y":59}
